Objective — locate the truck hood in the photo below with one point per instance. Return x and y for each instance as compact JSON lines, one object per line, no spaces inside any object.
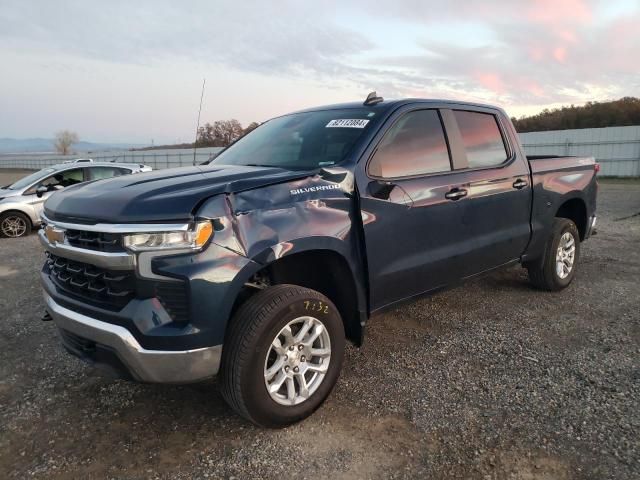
{"x":161,"y":195}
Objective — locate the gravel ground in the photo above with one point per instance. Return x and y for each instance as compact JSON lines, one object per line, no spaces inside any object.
{"x":492,"y":380}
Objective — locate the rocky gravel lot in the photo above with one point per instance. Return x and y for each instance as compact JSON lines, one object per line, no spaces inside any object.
{"x":492,"y":380}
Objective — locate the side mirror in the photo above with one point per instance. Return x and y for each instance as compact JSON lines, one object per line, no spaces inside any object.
{"x":41,"y":190}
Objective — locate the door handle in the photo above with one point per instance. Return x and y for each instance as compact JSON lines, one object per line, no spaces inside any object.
{"x":519,"y":184}
{"x":456,"y":194}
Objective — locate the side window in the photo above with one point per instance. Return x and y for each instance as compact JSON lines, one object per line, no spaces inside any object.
{"x":60,"y":180}
{"x":98,"y":173}
{"x":414,"y":145}
{"x":481,"y":138}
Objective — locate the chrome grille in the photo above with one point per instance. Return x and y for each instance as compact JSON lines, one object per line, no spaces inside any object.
{"x":113,"y":289}
{"x":104,"y":242}
{"x":107,"y":288}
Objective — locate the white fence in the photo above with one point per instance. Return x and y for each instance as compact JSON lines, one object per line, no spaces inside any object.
{"x":156,"y":159}
{"x":616,"y":149}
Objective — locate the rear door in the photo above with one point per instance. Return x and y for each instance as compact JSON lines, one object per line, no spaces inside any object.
{"x":495,"y":203}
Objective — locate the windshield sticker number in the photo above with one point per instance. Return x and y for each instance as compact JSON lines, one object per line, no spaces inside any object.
{"x":347,"y":123}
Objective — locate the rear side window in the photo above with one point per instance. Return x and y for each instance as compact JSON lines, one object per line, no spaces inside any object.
{"x":415,"y":145}
{"x":481,"y":138}
{"x":98,"y":173}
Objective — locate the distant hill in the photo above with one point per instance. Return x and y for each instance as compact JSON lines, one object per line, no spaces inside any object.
{"x":45,"y":145}
{"x":174,"y":146}
{"x":617,"y":113}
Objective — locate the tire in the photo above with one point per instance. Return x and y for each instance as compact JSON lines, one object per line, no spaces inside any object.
{"x":14,"y":225}
{"x":545,"y":273}
{"x":249,"y":357}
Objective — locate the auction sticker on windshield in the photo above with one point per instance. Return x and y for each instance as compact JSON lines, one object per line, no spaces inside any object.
{"x":347,"y":123}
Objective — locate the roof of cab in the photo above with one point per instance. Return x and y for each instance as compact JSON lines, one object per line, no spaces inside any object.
{"x":66,"y":166}
{"x":386,"y":105}
{"x":382,"y":106}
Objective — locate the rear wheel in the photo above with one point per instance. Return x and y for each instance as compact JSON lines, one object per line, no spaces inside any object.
{"x":282,"y":355}
{"x":556,"y":269}
{"x":14,"y":224}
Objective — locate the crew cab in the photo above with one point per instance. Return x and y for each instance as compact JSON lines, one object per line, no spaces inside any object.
{"x":258,"y":267}
{"x":21,"y":202}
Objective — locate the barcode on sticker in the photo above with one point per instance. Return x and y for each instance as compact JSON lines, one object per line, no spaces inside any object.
{"x":347,"y":123}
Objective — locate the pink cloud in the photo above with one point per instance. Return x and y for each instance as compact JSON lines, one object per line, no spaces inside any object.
{"x":558,"y":12}
{"x":490,"y":81}
{"x":536,"y":53}
{"x":560,"y":54}
{"x":567,"y":35}
{"x":534,"y":88}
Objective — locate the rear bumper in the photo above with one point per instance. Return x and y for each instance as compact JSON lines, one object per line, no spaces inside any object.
{"x":154,"y":366}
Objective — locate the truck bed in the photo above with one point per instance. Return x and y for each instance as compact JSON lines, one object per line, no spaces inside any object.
{"x":548,"y":163}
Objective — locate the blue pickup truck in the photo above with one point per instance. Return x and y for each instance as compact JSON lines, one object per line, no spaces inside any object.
{"x":259,"y":266}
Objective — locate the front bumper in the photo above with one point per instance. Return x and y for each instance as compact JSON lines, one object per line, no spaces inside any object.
{"x":153,"y":317}
{"x":155,"y":366}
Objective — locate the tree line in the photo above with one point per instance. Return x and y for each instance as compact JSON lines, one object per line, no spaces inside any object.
{"x":625,"y":111}
{"x":222,"y":133}
{"x":616,"y":113}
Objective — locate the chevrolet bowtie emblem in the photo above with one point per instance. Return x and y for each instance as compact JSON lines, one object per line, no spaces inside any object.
{"x":54,"y":235}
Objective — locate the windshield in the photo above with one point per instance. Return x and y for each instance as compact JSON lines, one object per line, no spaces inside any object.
{"x":300,"y":141}
{"x":29,"y":179}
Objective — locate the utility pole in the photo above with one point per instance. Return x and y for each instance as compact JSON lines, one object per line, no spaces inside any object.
{"x":204,"y":80}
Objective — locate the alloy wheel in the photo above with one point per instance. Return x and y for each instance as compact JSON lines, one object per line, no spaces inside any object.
{"x":565,"y":255}
{"x":297,"y":361}
{"x":14,"y":226}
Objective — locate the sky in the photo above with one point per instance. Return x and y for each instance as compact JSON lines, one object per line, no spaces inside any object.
{"x":122,"y":71}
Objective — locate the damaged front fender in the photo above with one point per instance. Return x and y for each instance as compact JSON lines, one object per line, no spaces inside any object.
{"x":316,"y":213}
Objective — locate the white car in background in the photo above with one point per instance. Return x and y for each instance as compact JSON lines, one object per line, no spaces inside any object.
{"x":21,"y":202}
{"x":79,"y":160}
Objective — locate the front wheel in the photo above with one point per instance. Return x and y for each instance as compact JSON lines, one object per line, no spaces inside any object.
{"x":557,"y":267}
{"x":282,"y":355}
{"x":14,"y":224}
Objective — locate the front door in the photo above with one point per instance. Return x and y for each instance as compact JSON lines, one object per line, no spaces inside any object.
{"x":53,"y":183}
{"x":410,"y":226}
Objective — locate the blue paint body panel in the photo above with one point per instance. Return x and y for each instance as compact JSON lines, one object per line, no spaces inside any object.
{"x":399,"y":238}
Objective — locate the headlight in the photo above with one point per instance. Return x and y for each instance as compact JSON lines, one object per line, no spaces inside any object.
{"x":182,"y":240}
